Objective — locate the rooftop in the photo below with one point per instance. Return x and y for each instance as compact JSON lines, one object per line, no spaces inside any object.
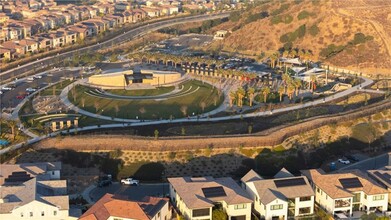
{"x":342,"y":185}
{"x":119,"y":206}
{"x":203,"y":192}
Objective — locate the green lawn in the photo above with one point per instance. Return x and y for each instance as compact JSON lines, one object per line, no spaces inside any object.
{"x":149,"y":108}
{"x":142,"y":92}
{"x":56,"y":89}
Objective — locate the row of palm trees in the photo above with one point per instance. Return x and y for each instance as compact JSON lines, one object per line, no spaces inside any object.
{"x":204,"y":65}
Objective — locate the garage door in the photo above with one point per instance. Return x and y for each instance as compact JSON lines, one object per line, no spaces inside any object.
{"x":240,"y":217}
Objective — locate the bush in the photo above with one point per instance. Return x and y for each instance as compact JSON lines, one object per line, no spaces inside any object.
{"x":255,"y":17}
{"x":234,"y":16}
{"x":282,"y":8}
{"x":303,"y":15}
{"x":313,"y":30}
{"x":331,"y":50}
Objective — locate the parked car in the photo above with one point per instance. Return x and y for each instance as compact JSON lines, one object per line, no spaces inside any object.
{"x":103,"y":183}
{"x":344,"y":161}
{"x":37,"y":77}
{"x":30,"y":79}
{"x":30,"y":89}
{"x":129,"y":181}
{"x":352,"y":158}
{"x":6,"y":88}
{"x":20,"y":96}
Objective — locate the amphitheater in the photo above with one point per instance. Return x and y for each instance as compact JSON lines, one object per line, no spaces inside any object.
{"x":129,"y":79}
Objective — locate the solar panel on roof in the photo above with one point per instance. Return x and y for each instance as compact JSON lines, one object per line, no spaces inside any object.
{"x":290,"y":182}
{"x":385,"y":177}
{"x":17,"y":177}
{"x":350,"y":182}
{"x":211,"y":192}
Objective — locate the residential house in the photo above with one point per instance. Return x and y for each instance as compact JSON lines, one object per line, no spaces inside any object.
{"x":82,"y":31}
{"x":31,"y":46}
{"x":45,"y":43}
{"x":169,"y":9}
{"x":120,"y":207}
{"x":70,"y":36}
{"x":33,"y":191}
{"x":151,"y":12}
{"x":113,"y":21}
{"x":97,"y":26}
{"x":122,"y":6}
{"x":285,"y":196}
{"x":342,"y":193}
{"x":3,"y":18}
{"x":383,"y":178}
{"x":5,"y":54}
{"x":138,"y":15}
{"x":14,"y":47}
{"x":195,"y":198}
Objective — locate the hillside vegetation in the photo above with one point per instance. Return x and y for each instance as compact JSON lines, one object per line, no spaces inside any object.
{"x":347,"y":33}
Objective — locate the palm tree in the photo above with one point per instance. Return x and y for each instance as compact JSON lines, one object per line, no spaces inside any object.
{"x":232,"y":97}
{"x":312,"y":82}
{"x":13,"y":125}
{"x":240,"y":92}
{"x":184,"y":110}
{"x":281,"y":91}
{"x":273,"y":59}
{"x":290,"y":90}
{"x":298,"y":84}
{"x":250,"y":92}
{"x":265,"y":92}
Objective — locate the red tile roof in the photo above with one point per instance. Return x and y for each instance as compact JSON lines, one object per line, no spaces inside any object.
{"x":117,"y":206}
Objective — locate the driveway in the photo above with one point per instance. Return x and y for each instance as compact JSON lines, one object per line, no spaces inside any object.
{"x":134,"y":192}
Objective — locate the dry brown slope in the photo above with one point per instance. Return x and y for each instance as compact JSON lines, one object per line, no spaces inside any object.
{"x":335,"y":28}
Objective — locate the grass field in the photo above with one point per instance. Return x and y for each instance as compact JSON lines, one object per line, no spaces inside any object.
{"x":177,"y":106}
{"x":56,"y":89}
{"x":142,"y":92}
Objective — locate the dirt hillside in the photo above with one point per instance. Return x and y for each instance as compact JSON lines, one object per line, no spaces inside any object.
{"x":346,"y":33}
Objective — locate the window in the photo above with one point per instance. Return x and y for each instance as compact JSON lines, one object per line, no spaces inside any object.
{"x":21,"y":214}
{"x":42,"y":213}
{"x":307,"y":198}
{"x":53,"y":172}
{"x":54,"y":212}
{"x":318,"y":190}
{"x":31,"y":214}
{"x":303,"y":211}
{"x":378,"y":197}
{"x":240,"y":206}
{"x":365,"y":196}
{"x":276,"y":207}
{"x":201,"y":212}
{"x":158,"y":215}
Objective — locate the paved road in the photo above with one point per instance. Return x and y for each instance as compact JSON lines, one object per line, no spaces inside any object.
{"x":134,"y":33}
{"x":370,"y":163}
{"x":134,"y":192}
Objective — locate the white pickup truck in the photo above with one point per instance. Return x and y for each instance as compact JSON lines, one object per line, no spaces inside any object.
{"x":129,"y":181}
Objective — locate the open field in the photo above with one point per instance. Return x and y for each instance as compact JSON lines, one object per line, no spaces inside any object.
{"x":142,"y":92}
{"x":197,"y":97}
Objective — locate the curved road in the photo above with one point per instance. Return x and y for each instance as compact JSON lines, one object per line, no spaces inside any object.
{"x":134,"y":33}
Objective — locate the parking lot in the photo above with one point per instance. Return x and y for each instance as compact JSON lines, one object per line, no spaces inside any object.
{"x":181,"y":44}
{"x":9,"y":98}
{"x":134,"y":192}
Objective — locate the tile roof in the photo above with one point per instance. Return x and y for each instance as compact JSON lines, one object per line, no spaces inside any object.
{"x":283,"y":173}
{"x":382,"y":176}
{"x":190,"y":190}
{"x":120,"y":206}
{"x":331,"y":185}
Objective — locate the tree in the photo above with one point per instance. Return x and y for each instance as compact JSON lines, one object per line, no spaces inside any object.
{"x":156,"y":133}
{"x":251,"y":92}
{"x":298,"y":84}
{"x":184,"y":110}
{"x":281,"y":91}
{"x":265,"y":92}
{"x":203,"y":105}
{"x":232,"y":97}
{"x":240,"y":93}
{"x":312,"y":82}
{"x":219,"y":214}
{"x":13,"y":125}
{"x":290,"y":90}
{"x":96,"y":105}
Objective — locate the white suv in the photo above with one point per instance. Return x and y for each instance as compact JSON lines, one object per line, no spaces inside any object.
{"x":344,"y":161}
{"x":129,"y":181}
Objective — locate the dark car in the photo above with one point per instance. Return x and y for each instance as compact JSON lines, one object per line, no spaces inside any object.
{"x":103,"y":183}
{"x":351,"y":158}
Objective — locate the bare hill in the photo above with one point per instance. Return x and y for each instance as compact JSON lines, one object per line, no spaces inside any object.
{"x":346,"y":33}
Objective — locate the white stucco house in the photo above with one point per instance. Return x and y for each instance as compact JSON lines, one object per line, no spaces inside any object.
{"x":196,"y":198}
{"x":343,"y":193}
{"x":285,"y":196}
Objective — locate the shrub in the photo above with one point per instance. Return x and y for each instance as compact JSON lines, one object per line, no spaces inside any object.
{"x":234,"y":16}
{"x":257,"y":16}
{"x":279,"y":148}
{"x":303,"y":15}
{"x":313,"y":30}
{"x":282,"y":8}
{"x":331,"y":50}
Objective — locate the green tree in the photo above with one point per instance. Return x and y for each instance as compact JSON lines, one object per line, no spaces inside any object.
{"x":156,"y":133}
{"x":219,"y":214}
